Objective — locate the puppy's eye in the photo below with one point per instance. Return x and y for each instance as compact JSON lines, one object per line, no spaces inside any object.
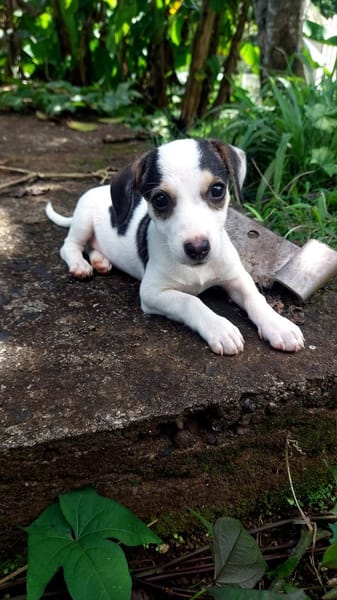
{"x":217,"y":191}
{"x":160,"y":201}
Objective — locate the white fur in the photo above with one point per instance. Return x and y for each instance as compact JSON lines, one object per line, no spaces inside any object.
{"x":171,"y":281}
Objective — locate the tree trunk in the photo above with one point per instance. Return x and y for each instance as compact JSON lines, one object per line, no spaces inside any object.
{"x":231,"y":61}
{"x":208,"y":81}
{"x":200,"y":47}
{"x":279,"y":34}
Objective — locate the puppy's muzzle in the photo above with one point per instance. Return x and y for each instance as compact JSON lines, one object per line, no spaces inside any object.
{"x":197,"y":250}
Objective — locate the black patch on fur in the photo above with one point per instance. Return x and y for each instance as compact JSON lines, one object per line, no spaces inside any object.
{"x":151,"y":176}
{"x":231,"y":162}
{"x":125,"y":198}
{"x":210,"y":160}
{"x":142,"y":245}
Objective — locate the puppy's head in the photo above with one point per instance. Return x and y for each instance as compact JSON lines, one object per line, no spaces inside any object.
{"x":186,"y":185}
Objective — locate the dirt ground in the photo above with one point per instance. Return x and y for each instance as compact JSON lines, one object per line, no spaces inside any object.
{"x":93,"y":391}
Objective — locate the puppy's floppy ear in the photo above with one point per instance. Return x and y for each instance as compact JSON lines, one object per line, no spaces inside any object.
{"x":140,"y":169}
{"x":235,"y":161}
{"x":125,"y":193}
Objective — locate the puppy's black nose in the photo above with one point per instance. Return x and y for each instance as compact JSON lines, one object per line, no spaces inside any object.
{"x":197,"y":250}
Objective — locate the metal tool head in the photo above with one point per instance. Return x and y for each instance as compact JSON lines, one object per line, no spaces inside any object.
{"x":268,"y":257}
{"x":309,"y":269}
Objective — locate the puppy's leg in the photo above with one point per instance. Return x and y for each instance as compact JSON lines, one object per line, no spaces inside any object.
{"x":80,"y":232}
{"x":220,"y":334}
{"x":281,"y":333}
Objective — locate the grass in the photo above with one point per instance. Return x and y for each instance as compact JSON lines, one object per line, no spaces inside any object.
{"x":290,"y":137}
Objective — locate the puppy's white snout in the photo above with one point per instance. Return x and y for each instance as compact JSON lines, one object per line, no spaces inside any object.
{"x":197,"y":249}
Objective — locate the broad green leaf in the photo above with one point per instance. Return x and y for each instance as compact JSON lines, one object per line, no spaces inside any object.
{"x":251,"y":55}
{"x":237,"y":594}
{"x":97,"y":569}
{"x":72,"y":535}
{"x":49,"y":541}
{"x":238,"y":559}
{"x":321,"y":156}
{"x":329,"y":559}
{"x":175,"y":29}
{"x":89,"y":513}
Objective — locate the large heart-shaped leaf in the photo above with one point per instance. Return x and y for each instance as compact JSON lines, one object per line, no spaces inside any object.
{"x":97,"y":569}
{"x":88,"y":513}
{"x":72,"y":535}
{"x":238,"y":559}
{"x":49,"y":542}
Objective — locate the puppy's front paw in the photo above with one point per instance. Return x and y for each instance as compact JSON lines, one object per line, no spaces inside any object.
{"x":282,"y":334}
{"x":81,"y":269}
{"x":224,"y":338}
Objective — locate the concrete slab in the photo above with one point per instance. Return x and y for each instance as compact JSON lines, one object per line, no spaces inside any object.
{"x":94,"y":391}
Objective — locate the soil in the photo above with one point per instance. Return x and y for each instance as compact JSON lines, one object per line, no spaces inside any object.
{"x":93,"y":391}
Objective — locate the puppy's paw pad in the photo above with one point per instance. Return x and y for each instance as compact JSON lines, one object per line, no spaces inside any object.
{"x":100,"y":264}
{"x":81,"y":270}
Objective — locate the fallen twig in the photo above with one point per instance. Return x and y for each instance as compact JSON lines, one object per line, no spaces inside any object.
{"x":28,"y":175}
{"x":13,"y":575}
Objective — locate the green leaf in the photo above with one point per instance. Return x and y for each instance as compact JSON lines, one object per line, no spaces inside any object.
{"x":321,"y":156}
{"x":49,"y":542}
{"x":329,"y":559}
{"x":251,"y":55}
{"x":280,"y":158}
{"x":72,"y":535}
{"x":238,"y":559}
{"x":97,"y":568}
{"x":89,"y":513}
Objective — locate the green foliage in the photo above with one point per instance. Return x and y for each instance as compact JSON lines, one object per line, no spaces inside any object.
{"x":56,"y":98}
{"x":291,"y":138}
{"x":145,"y":44}
{"x":238,"y":559}
{"x":328,"y":8}
{"x":239,"y":564}
{"x":73,"y":535}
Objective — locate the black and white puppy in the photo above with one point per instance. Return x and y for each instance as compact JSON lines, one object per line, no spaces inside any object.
{"x":162,"y":220}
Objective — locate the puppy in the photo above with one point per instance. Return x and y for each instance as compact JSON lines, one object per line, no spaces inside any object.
{"x":162,"y":220}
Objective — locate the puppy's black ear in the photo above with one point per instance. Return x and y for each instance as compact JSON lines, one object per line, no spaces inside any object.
{"x":125,"y":193}
{"x":235,"y":161}
{"x":147,"y":173}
